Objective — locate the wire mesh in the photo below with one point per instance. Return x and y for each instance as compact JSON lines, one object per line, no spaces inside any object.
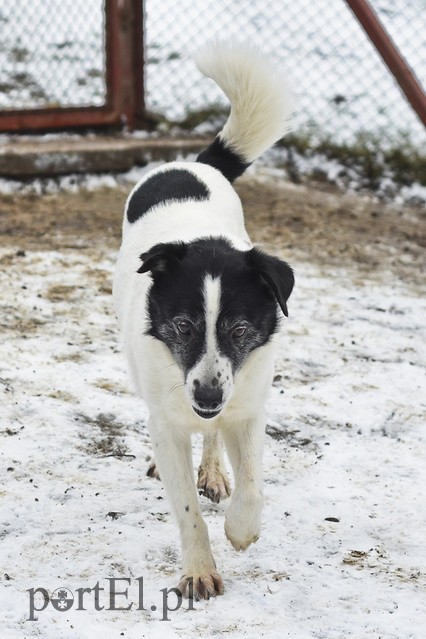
{"x":51,"y":54}
{"x":342,"y":87}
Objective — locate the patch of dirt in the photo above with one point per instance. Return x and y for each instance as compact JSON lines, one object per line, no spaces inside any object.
{"x":290,"y":437}
{"x":103,"y":435}
{"x":318,"y":224}
{"x":61,"y":293}
{"x":13,"y":321}
{"x":336,"y":229}
{"x":378,"y":562}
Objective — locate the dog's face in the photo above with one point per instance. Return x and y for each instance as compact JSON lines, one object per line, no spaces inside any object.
{"x":212,"y":305}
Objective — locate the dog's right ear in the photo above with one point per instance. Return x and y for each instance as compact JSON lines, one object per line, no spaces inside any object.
{"x":161,"y":257}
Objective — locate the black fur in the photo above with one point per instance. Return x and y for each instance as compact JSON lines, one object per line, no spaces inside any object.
{"x":224,"y":159}
{"x":162,"y":257}
{"x":173,"y":184}
{"x":276,"y":273}
{"x":251,"y":285}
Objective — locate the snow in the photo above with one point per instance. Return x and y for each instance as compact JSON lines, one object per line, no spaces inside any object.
{"x":342,"y":547}
{"x":413,"y":192}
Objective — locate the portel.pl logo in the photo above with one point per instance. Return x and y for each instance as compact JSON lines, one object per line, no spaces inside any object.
{"x":115,"y":596}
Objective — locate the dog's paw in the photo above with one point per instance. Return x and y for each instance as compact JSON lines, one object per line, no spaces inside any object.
{"x":243,"y":522}
{"x":201,"y":586}
{"x":153,"y":471}
{"x":238,"y":542}
{"x":213,"y":483}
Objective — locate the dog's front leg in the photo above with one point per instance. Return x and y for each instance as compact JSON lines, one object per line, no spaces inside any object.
{"x":244,"y":444}
{"x":173,"y":455}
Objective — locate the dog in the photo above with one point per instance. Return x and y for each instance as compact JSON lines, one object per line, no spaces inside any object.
{"x":198,"y":306}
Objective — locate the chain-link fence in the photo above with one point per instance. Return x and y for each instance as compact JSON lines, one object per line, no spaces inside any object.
{"x":341,"y":85}
{"x":51,"y":54}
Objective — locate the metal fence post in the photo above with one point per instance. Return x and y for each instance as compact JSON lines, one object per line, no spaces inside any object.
{"x":124,"y":54}
{"x":403,"y":74}
{"x":124,"y":101}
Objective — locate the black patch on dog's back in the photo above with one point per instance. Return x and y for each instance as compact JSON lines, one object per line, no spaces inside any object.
{"x":171,"y":185}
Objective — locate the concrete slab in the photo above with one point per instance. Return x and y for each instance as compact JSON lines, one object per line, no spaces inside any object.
{"x":28,"y":158}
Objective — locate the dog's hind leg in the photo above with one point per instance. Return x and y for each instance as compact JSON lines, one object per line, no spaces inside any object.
{"x":173,"y":456}
{"x":244,"y":445}
{"x":153,"y":470}
{"x":212,"y":478}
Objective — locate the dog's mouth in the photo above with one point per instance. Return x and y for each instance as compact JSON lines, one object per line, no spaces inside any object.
{"x":206,"y":414}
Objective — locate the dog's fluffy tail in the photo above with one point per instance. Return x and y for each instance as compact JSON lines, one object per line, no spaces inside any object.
{"x":260,"y":105}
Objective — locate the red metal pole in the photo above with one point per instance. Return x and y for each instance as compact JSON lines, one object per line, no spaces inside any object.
{"x":138,"y":62}
{"x":395,"y":62}
{"x":125,"y":58}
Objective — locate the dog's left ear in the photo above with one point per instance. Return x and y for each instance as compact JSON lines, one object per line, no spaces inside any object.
{"x":277,"y":274}
{"x":162,"y":257}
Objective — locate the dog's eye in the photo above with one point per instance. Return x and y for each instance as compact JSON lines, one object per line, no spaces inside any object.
{"x":184,"y":327}
{"x":238,"y":331}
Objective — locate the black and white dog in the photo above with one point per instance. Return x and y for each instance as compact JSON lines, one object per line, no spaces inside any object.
{"x":198,"y":308}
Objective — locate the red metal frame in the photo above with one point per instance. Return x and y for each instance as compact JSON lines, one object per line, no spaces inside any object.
{"x":397,"y":65}
{"x":124,"y":79}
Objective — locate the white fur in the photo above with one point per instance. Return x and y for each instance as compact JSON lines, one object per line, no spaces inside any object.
{"x":212,"y":362}
{"x":260,"y":99}
{"x":258,"y":118}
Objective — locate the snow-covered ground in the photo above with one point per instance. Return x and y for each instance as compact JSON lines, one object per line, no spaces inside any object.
{"x":342,"y":547}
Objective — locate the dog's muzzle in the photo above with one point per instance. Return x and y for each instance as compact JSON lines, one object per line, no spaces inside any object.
{"x":208,"y":400}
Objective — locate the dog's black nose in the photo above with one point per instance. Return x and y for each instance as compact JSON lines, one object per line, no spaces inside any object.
{"x":208,"y":398}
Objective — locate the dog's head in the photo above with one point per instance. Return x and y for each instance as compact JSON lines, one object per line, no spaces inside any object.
{"x":212,"y":305}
